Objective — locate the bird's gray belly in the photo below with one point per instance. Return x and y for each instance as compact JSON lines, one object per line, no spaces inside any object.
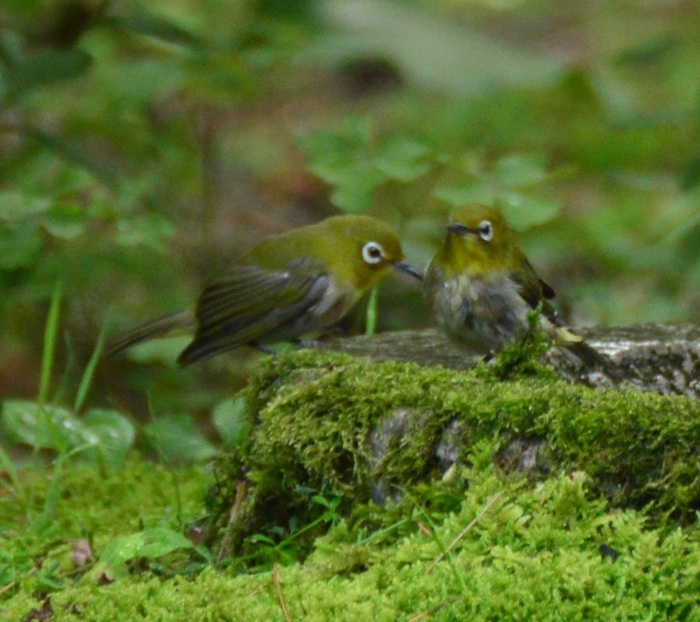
{"x":482,"y":315}
{"x":329,"y":303}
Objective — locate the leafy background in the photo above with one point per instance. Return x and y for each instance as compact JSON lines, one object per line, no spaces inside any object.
{"x":144,"y":144}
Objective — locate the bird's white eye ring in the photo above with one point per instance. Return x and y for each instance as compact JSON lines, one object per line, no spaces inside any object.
{"x":486,"y":230}
{"x":372,"y":253}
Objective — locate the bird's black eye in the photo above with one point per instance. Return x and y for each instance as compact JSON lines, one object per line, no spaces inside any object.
{"x":372,"y":253}
{"x":486,"y":230}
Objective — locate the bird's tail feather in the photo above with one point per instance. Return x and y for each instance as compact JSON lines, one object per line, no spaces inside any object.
{"x":592,"y":359}
{"x":151,"y":330}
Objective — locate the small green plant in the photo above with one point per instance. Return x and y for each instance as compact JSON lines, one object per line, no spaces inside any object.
{"x":521,"y":357}
{"x":367,"y":168}
{"x":357,"y":162}
{"x":231,"y":422}
{"x":98,"y":435}
{"x":147,"y":550}
{"x":284,"y":544}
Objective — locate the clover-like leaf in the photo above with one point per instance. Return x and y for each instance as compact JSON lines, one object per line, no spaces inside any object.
{"x":230,"y":421}
{"x":177,"y":439}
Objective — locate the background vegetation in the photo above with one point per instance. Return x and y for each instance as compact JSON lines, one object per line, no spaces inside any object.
{"x":144,"y":144}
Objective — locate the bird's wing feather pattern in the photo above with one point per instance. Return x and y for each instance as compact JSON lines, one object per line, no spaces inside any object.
{"x":534,"y":290}
{"x":249,"y":302}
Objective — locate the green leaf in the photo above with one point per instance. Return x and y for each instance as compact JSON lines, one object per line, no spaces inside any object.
{"x":140,"y":81}
{"x":401,"y":158}
{"x":332,"y":164}
{"x":519,"y":170}
{"x":523,"y":211}
{"x":470,"y":192}
{"x":150,"y":230}
{"x":19,"y":246}
{"x":331,"y":153}
{"x":261,"y":538}
{"x":149,"y":543}
{"x":347,"y":160}
{"x":89,"y":371}
{"x":42,"y":427}
{"x":355,"y":197}
{"x":46,"y":66}
{"x":177,"y":439}
{"x":18,"y":206}
{"x":496,"y":188}
{"x":66,"y":221}
{"x":231,"y":422}
{"x":690,"y":176}
{"x":111,"y":434}
{"x":157,"y":26}
{"x":159,"y":541}
{"x":73,"y":152}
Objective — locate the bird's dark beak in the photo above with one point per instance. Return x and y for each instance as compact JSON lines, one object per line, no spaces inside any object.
{"x":407,"y":268}
{"x":458,"y":229}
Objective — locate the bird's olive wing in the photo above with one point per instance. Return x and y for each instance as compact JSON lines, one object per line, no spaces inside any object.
{"x":250,"y":303}
{"x":534,"y":290}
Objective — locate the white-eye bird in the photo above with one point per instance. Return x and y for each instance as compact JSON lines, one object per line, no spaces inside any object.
{"x":286,"y":286}
{"x":480,"y":287}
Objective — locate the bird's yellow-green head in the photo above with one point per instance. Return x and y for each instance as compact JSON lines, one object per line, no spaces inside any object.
{"x":479,"y":241}
{"x":363,"y":249}
{"x":357,"y":250}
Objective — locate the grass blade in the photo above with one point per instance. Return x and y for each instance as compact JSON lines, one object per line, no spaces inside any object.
{"x":50,"y":333}
{"x":89,"y":373}
{"x":11,"y":473}
{"x":372,"y":312}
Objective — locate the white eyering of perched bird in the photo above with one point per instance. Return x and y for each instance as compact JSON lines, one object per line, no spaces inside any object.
{"x":480,"y":287}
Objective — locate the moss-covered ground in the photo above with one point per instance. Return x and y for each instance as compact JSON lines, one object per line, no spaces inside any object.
{"x":387,"y":492}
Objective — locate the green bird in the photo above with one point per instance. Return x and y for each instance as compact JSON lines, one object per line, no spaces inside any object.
{"x":303,"y":280}
{"x":480,"y":287}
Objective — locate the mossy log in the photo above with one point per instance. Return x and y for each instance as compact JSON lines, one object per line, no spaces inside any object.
{"x":456,"y":486}
{"x":373,"y":432}
{"x":650,"y":357}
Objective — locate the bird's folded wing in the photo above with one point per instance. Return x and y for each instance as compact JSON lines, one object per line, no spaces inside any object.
{"x":249,"y":302}
{"x":534,"y":290}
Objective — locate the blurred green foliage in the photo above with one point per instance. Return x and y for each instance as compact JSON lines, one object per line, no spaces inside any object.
{"x":143,"y":144}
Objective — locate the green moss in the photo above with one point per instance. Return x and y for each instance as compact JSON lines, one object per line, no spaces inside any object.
{"x":517,"y":562}
{"x":83,"y":499}
{"x":81,"y":502}
{"x":374,"y":431}
{"x":586,"y":527}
